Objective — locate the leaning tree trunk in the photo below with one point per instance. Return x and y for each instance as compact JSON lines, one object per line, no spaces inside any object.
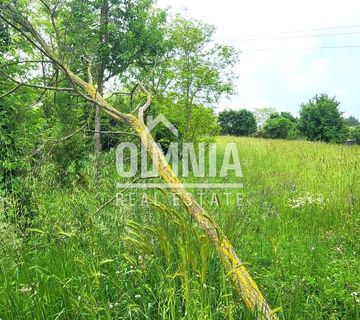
{"x":103,"y":40}
{"x":246,"y":286}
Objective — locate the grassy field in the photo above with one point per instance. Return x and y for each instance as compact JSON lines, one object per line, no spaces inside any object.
{"x":297,"y":227}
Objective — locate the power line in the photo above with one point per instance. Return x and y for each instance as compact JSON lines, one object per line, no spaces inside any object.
{"x":300,"y":48}
{"x":295,"y":31}
{"x":294,"y":37}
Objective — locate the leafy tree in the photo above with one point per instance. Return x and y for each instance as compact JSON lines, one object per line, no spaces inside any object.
{"x":283,"y":114}
{"x":237,"y":123}
{"x":278,"y":127}
{"x":352,"y":121}
{"x":355,"y":134}
{"x":321,"y":120}
{"x":202,"y":72}
{"x":289,"y":116}
{"x":262,"y":114}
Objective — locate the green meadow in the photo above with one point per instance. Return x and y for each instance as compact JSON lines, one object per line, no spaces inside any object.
{"x":295,"y":224}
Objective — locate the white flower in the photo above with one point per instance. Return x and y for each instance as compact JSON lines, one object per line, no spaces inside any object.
{"x":25,"y":289}
{"x":340,"y":248}
{"x":305,"y":200}
{"x":137,"y":296}
{"x":354,"y":294}
{"x":111,"y":306}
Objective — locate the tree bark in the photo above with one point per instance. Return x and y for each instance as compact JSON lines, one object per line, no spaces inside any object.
{"x":102,"y":58}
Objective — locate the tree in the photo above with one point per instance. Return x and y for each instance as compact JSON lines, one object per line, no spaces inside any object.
{"x":262,"y":114}
{"x":278,"y":127}
{"x":194,"y":73}
{"x":355,"y":134}
{"x":352,"y":121}
{"x":85,"y":89}
{"x":321,"y":120}
{"x":120,"y":36}
{"x":102,"y":59}
{"x":289,"y":116}
{"x":202,"y":72}
{"x":237,"y":123}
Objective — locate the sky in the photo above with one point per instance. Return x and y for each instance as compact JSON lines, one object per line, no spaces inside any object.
{"x":268,"y":75}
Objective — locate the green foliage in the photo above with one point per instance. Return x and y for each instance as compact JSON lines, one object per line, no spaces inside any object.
{"x":237,"y":123}
{"x":4,"y":37}
{"x":289,"y":116}
{"x":352,"y":121}
{"x":62,"y":257}
{"x":278,"y":127}
{"x":355,"y":134}
{"x":321,"y":120}
{"x":203,"y":122}
{"x":196,"y":73}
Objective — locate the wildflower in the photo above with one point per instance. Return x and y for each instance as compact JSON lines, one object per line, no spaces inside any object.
{"x":354,"y":294}
{"x":339,"y":248}
{"x":137,"y":296}
{"x":111,"y":306}
{"x":312,"y":248}
{"x":307,"y":200}
{"x":79,"y":298}
{"x":25,"y":289}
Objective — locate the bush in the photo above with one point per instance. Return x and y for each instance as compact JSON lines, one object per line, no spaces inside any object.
{"x":278,"y":128}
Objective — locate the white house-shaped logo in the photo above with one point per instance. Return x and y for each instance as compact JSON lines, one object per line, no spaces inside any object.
{"x":152,"y":123}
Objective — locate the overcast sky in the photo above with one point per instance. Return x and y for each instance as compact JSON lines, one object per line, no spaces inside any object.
{"x":283,"y":79}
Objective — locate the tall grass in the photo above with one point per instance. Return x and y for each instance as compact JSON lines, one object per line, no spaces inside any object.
{"x":296,"y":227}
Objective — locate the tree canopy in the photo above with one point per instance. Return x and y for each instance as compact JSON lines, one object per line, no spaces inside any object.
{"x":237,"y":123}
{"x":321,"y":120}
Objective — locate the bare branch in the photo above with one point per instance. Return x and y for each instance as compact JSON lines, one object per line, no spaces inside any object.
{"x":37,"y":151}
{"x":10,"y":92}
{"x":113,"y":132}
{"x":89,"y":66}
{"x":143,"y":109}
{"x":36,"y":86}
{"x":13,"y":63}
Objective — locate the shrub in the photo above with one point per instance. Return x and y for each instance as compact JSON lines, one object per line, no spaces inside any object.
{"x":278,"y":128}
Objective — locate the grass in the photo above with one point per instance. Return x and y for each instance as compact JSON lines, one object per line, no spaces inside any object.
{"x":296,"y":228}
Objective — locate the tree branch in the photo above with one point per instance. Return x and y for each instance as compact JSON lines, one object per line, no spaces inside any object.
{"x":13,"y":63}
{"x":143,"y":109}
{"x":10,"y":92}
{"x":24,"y":84}
{"x":37,"y":151}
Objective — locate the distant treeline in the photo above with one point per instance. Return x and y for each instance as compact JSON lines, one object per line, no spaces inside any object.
{"x":320,"y":120}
